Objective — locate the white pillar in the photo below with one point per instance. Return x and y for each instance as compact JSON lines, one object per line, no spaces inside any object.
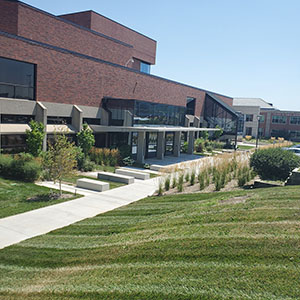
{"x":161,"y":141}
{"x":41,"y":116}
{"x":191,"y":139}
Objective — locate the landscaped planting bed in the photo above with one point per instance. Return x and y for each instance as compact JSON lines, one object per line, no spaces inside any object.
{"x":222,"y":245}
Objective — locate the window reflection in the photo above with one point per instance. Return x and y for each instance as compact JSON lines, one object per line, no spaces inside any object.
{"x":17,"y":79}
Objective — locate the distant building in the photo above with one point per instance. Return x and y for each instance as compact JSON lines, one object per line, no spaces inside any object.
{"x":272,"y":121}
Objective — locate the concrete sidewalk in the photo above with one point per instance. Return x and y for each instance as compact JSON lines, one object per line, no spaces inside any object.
{"x":15,"y":229}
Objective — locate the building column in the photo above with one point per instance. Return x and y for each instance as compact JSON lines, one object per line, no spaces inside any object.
{"x":161,"y":141}
{"x":128,"y":122}
{"x":41,"y":116}
{"x":191,"y":140}
{"x":141,"y":147}
{"x":77,"y":118}
{"x":104,"y":119}
{"x":177,"y":140}
{"x":197,"y":125}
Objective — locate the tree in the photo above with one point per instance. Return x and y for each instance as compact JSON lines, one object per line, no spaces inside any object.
{"x":35,"y":137}
{"x":86,"y":139}
{"x":218,"y":133}
{"x":60,"y":159}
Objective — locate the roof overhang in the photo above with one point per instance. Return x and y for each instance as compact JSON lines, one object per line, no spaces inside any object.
{"x":21,"y":129}
{"x":101,"y":128}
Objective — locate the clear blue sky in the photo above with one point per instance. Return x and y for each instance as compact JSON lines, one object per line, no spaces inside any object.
{"x":240,"y":48}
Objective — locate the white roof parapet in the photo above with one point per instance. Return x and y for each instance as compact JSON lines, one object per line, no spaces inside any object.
{"x":99,"y":128}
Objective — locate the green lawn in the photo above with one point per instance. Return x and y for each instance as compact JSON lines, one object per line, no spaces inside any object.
{"x":245,"y":147}
{"x":14,"y":197}
{"x":233,"y":245}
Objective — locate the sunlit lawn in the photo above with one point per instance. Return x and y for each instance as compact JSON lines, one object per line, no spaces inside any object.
{"x":233,"y":245}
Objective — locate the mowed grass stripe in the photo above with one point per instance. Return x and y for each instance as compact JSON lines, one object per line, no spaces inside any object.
{"x":155,"y":291}
{"x":199,"y":246}
{"x":157,"y":265}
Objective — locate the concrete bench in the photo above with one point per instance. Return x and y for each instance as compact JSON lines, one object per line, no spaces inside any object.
{"x":91,"y":184}
{"x":133,"y":173}
{"x":116,"y":177}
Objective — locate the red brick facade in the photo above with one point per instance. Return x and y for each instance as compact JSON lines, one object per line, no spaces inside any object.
{"x":144,"y":48}
{"x":68,"y":78}
{"x":9,"y":17}
{"x":268,"y":126}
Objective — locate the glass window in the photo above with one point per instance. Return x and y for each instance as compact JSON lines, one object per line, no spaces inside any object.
{"x":13,"y":143}
{"x":144,"y":67}
{"x":217,"y":114}
{"x":262,"y":119}
{"x":279,"y":119}
{"x":17,"y":79}
{"x":249,"y":118}
{"x":59,"y":120}
{"x":295,"y":120}
{"x":91,"y":121}
{"x":16,"y":119}
{"x":248,"y":130}
{"x":190,"y":105}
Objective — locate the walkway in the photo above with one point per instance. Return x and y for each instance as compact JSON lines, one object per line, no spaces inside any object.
{"x":15,"y":229}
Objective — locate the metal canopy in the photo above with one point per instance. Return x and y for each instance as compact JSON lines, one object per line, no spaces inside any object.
{"x":101,"y":128}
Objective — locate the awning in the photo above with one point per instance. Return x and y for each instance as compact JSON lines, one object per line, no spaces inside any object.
{"x":101,"y":128}
{"x":21,"y":129}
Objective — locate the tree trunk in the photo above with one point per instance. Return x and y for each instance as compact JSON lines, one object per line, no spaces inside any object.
{"x":60,"y":191}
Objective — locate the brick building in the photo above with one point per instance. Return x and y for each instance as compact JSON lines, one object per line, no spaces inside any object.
{"x":83,"y":67}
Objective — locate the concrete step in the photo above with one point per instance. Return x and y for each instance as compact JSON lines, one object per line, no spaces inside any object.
{"x":133,"y":173}
{"x":157,"y":168}
{"x":90,"y":184}
{"x":116,"y":177}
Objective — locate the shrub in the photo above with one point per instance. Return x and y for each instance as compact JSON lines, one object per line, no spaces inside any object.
{"x":184,"y":147}
{"x":201,"y":180}
{"x":160,"y":189}
{"x":187,"y":177}
{"x":180,"y":183}
{"x":167,"y":183}
{"x":242,"y":180}
{"x":274,"y":163}
{"x":5,"y":165}
{"x":174,"y":181}
{"x":88,"y":165}
{"x":22,"y":167}
{"x":114,"y":157}
{"x":218,"y":184}
{"x":124,"y":151}
{"x":127,"y":161}
{"x":31,"y":171}
{"x":209,"y":148}
{"x":248,"y":137}
{"x":80,"y":158}
{"x":199,"y":145}
{"x":192,"y":179}
{"x":105,"y":156}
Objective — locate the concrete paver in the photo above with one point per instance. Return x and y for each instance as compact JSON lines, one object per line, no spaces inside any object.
{"x":17,"y":228}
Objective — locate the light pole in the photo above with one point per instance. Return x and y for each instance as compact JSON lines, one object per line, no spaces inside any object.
{"x":130,"y":60}
{"x":257,"y":134}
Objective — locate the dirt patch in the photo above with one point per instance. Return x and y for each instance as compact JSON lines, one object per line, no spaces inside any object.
{"x":48,"y":197}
